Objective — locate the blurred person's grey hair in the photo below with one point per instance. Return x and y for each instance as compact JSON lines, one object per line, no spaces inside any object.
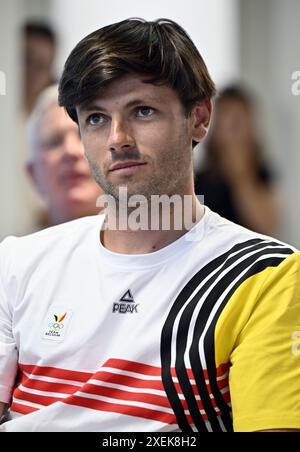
{"x":47,"y":99}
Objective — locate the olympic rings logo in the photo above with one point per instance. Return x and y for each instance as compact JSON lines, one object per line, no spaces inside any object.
{"x":56,"y":325}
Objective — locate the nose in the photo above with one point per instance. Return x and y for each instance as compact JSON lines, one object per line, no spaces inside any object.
{"x":121,"y":136}
{"x":72,"y":146}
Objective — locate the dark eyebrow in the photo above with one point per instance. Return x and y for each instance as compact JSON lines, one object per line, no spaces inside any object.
{"x":95,"y":107}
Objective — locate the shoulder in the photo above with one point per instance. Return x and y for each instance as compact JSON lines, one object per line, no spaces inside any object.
{"x":21,"y":252}
{"x":239,"y":242}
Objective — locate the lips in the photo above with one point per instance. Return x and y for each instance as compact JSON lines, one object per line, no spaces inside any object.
{"x":124,"y":165}
{"x":73,"y":177}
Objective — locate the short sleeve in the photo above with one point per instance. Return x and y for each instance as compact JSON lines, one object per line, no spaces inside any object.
{"x":265,"y":374}
{"x":8,"y":349}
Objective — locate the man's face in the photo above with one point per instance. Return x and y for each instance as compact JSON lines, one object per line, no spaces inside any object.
{"x":136,"y":136}
{"x":233,"y":123}
{"x":39,"y":55}
{"x":60,"y":170}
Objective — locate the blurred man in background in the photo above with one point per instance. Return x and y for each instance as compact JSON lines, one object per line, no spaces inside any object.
{"x":57,"y":165}
{"x":39,"y":52}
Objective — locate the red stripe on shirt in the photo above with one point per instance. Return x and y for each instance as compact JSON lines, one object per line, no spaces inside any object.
{"x":48,"y":386}
{"x":128,"y":410}
{"x":131,"y":366}
{"x":35,"y":398}
{"x":110,"y":377}
{"x":122,"y":394}
{"x":22,"y":409}
{"x":55,"y":372}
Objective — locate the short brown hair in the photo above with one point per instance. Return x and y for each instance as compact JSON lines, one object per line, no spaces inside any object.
{"x":161,"y":49}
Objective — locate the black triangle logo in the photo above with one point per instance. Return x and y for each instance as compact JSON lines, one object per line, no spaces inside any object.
{"x":127,"y":297}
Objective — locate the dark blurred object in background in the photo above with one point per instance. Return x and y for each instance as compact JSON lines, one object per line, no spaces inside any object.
{"x":234,"y":179}
{"x":39,"y":42}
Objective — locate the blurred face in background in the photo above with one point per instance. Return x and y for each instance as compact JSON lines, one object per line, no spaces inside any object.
{"x":39,"y":56}
{"x":59,"y":169}
{"x":232,"y":123}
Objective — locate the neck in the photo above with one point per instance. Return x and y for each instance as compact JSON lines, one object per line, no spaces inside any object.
{"x":160,"y":227}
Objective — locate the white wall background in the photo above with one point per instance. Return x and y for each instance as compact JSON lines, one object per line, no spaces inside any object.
{"x":10,"y":196}
{"x":213,"y":25}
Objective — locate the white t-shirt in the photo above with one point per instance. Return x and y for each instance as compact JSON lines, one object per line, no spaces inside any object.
{"x":92,"y":340}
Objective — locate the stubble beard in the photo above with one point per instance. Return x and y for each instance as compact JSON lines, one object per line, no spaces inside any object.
{"x":170,"y":175}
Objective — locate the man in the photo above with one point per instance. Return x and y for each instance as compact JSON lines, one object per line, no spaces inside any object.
{"x":169,"y":328}
{"x":57,"y":165}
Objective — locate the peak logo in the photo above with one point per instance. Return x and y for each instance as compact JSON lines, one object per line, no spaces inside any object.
{"x":56,"y":324}
{"x":125,"y":304}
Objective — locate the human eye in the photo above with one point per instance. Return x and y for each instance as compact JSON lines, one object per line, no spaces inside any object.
{"x":144,"y":112}
{"x":95,"y":119}
{"x":51,"y":143}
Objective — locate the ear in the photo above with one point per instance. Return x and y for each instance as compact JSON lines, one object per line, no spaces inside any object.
{"x":32,"y":173}
{"x":201,"y":115}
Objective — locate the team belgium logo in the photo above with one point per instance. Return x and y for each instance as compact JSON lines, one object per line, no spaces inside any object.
{"x":56,"y":326}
